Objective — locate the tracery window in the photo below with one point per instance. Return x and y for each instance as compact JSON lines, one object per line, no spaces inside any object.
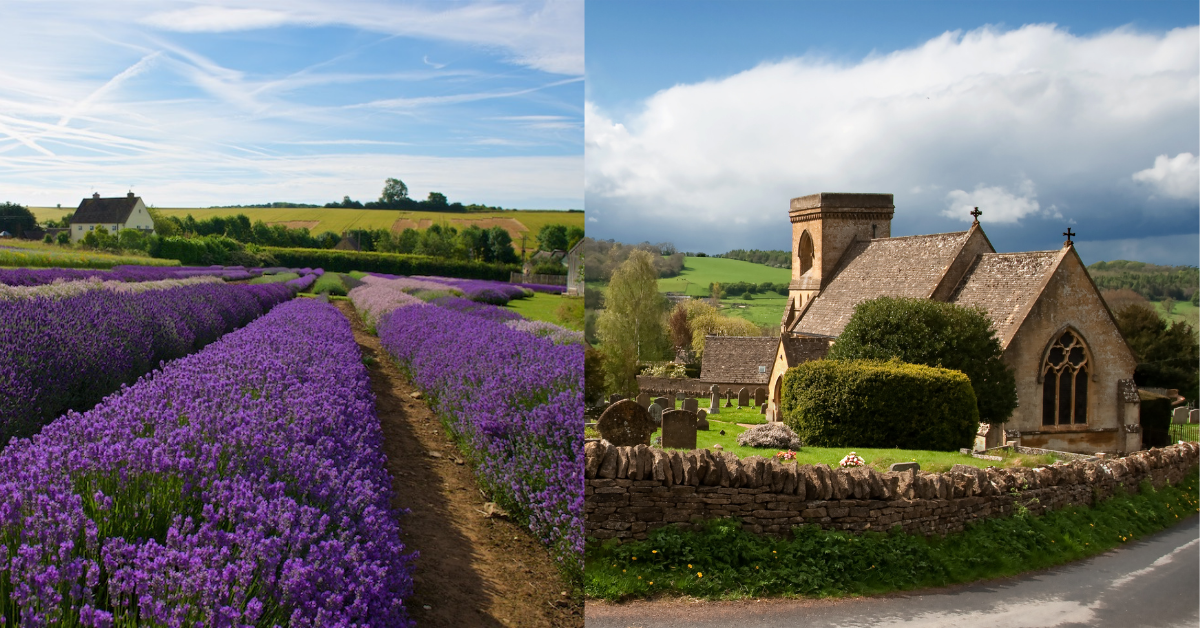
{"x":805,"y":252}
{"x":1065,"y":381}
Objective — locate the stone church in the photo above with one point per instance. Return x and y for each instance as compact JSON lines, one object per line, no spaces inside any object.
{"x":1073,"y":369}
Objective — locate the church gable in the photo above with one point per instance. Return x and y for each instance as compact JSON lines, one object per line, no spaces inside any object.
{"x":911,"y":266}
{"x":1006,"y":285}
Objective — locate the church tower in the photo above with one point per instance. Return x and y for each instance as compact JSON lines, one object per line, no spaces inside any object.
{"x":823,"y":227}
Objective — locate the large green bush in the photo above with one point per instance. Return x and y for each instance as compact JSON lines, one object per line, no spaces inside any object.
{"x":920,"y":331}
{"x":875,"y":404}
{"x":197,"y":251}
{"x":390,"y":263}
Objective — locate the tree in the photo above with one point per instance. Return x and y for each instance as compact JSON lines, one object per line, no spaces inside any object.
{"x":436,"y":198}
{"x":630,"y":328}
{"x":574,"y":235}
{"x":920,"y":331}
{"x":1167,"y":355}
{"x":681,"y":332}
{"x":408,"y":240}
{"x":500,"y":243}
{"x":393,"y":191}
{"x":554,"y":238}
{"x":16,"y":219}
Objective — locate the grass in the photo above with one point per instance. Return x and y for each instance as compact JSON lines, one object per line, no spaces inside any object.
{"x":880,"y":459}
{"x":722,"y":561}
{"x":339,"y":220}
{"x":331,"y":283}
{"x":25,"y":254}
{"x":545,"y":307}
{"x":1187,"y":432}
{"x":698,"y":272}
{"x":276,"y":278}
{"x":748,"y":415}
{"x":1183,"y":311}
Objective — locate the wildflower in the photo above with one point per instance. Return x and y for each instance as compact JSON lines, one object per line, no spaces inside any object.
{"x":699,"y":575}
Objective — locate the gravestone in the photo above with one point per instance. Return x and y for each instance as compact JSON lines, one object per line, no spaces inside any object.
{"x":760,"y":396}
{"x":679,"y":429}
{"x":643,"y":400}
{"x":702,"y":420}
{"x":905,"y":466}
{"x":691,"y":405}
{"x":625,"y":424}
{"x":613,"y":398}
{"x":743,"y":398}
{"x":714,"y":402}
{"x":680,"y":396}
{"x":714,"y":390}
{"x":1194,"y":417}
{"x":655,"y":411}
{"x":1180,"y":416}
{"x":771,"y":418}
{"x":763,"y":408}
{"x":729,"y":398}
{"x":663,"y":402}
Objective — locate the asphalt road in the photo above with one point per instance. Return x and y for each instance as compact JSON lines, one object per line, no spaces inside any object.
{"x":1153,"y":582}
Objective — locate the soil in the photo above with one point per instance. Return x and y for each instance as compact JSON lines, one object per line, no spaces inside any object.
{"x":473,"y":569}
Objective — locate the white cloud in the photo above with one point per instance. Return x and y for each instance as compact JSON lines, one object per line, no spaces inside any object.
{"x":1174,"y":177}
{"x":963,"y":111}
{"x":212,"y":19}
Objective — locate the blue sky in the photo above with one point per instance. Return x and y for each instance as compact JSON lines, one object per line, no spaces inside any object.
{"x":704,"y":118}
{"x":251,"y":101}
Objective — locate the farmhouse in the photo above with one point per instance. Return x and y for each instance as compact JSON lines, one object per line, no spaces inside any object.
{"x":1073,"y":369}
{"x":114,"y":214}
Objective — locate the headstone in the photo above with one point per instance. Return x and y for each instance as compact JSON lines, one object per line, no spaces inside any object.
{"x":613,"y":398}
{"x":714,"y":390}
{"x":655,"y":411}
{"x":680,"y":396}
{"x":625,"y":424}
{"x":1194,"y":417}
{"x":714,"y":403}
{"x":679,"y":429}
{"x":743,"y":398}
{"x":691,"y":405}
{"x":771,"y":415}
{"x":663,"y":402}
{"x":701,"y":420}
{"x":905,"y":466}
{"x":760,"y":396}
{"x":729,"y":398}
{"x":643,"y":400}
{"x":763,"y":408}
{"x":1180,"y":416}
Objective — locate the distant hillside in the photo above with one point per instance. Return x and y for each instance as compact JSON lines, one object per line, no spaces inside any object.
{"x":1149,"y":280}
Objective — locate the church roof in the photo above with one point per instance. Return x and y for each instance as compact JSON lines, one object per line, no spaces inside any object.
{"x":910,"y":266}
{"x":736,"y":359}
{"x":1005,"y":285}
{"x":97,"y":210}
{"x":800,"y":350}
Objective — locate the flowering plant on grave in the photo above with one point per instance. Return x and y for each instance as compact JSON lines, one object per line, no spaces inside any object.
{"x":851,"y":460}
{"x":786,"y":455}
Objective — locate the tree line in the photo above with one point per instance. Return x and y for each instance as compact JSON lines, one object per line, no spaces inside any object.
{"x":605,"y":256}
{"x":775,"y":259}
{"x":1149,"y":280}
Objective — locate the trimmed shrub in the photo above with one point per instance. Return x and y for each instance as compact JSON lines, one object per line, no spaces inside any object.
{"x":389,"y":263}
{"x":772,"y":435}
{"x":198,"y":251}
{"x":866,"y":403}
{"x":920,"y":331}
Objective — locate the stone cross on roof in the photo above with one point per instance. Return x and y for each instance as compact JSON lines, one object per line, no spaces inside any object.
{"x":1069,"y":236}
{"x":976,"y":213}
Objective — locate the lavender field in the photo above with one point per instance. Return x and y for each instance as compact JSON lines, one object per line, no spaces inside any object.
{"x":241,"y":485}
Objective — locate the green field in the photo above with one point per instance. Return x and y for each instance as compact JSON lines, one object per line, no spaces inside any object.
{"x":338,"y":220}
{"x":1183,"y":311}
{"x":698,"y":272}
{"x":25,"y":253}
{"x":544,"y":307}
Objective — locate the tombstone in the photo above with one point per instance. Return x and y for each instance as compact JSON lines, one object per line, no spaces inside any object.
{"x":679,"y":429}
{"x":643,"y":400}
{"x":760,"y":396}
{"x":772,"y":413}
{"x":680,"y":396}
{"x":762,"y":409}
{"x":625,"y":424}
{"x":655,"y":411}
{"x":702,"y":420}
{"x":714,"y":390}
{"x":1194,"y":417}
{"x":905,"y":466}
{"x":664,"y":403}
{"x":729,"y":398}
{"x":691,"y":405}
{"x":743,"y":398}
{"x":613,"y":398}
{"x":1180,"y":416}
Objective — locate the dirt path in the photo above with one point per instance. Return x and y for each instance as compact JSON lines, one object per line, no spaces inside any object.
{"x":473,"y":570}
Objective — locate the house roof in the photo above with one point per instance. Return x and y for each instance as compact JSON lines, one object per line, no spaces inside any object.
{"x":910,"y":266}
{"x":105,"y":210}
{"x":1005,"y":285}
{"x":736,"y":359}
{"x":801,"y":350}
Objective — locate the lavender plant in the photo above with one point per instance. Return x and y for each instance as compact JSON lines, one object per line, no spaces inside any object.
{"x":243,"y":485}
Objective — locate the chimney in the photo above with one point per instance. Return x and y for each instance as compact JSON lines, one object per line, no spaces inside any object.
{"x":131,"y":194}
{"x":95,"y":195}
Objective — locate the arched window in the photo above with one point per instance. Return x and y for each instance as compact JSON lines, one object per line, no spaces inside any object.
{"x":805,"y":252}
{"x":1065,"y":381}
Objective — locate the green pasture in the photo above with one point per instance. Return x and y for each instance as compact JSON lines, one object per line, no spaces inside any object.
{"x":1183,"y":311}
{"x":545,"y":307}
{"x":698,"y":272}
{"x":880,"y":459}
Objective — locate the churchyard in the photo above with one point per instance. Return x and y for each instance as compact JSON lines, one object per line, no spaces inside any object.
{"x":397,"y":448}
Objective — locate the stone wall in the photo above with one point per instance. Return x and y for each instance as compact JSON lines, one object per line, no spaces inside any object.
{"x":632,"y":490}
{"x":669,"y":386}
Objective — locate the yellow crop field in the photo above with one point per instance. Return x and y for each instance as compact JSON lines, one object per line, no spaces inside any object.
{"x":337,"y":220}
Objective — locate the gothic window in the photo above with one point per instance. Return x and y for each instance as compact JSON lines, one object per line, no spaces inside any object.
{"x":805,"y":252}
{"x":1065,"y":382}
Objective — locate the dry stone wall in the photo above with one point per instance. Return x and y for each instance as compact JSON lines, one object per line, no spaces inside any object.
{"x":632,"y":490}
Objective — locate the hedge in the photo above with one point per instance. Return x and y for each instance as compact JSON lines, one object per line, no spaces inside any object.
{"x":389,"y":263}
{"x":197,"y":251}
{"x":1155,"y":419}
{"x":874,"y":404}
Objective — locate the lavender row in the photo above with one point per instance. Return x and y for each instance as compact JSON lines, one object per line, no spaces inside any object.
{"x":63,"y":289}
{"x":69,"y":352}
{"x":242,"y":485}
{"x":379,"y":295}
{"x":494,"y":292}
{"x":41,"y":276}
{"x":516,"y":401}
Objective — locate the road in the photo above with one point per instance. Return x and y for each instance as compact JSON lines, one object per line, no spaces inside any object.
{"x":1151,"y":582}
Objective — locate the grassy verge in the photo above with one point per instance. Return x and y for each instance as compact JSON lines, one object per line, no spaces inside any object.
{"x":546,"y":307}
{"x":21,"y":254}
{"x":721,"y":561}
{"x":276,"y":278}
{"x":880,"y":459}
